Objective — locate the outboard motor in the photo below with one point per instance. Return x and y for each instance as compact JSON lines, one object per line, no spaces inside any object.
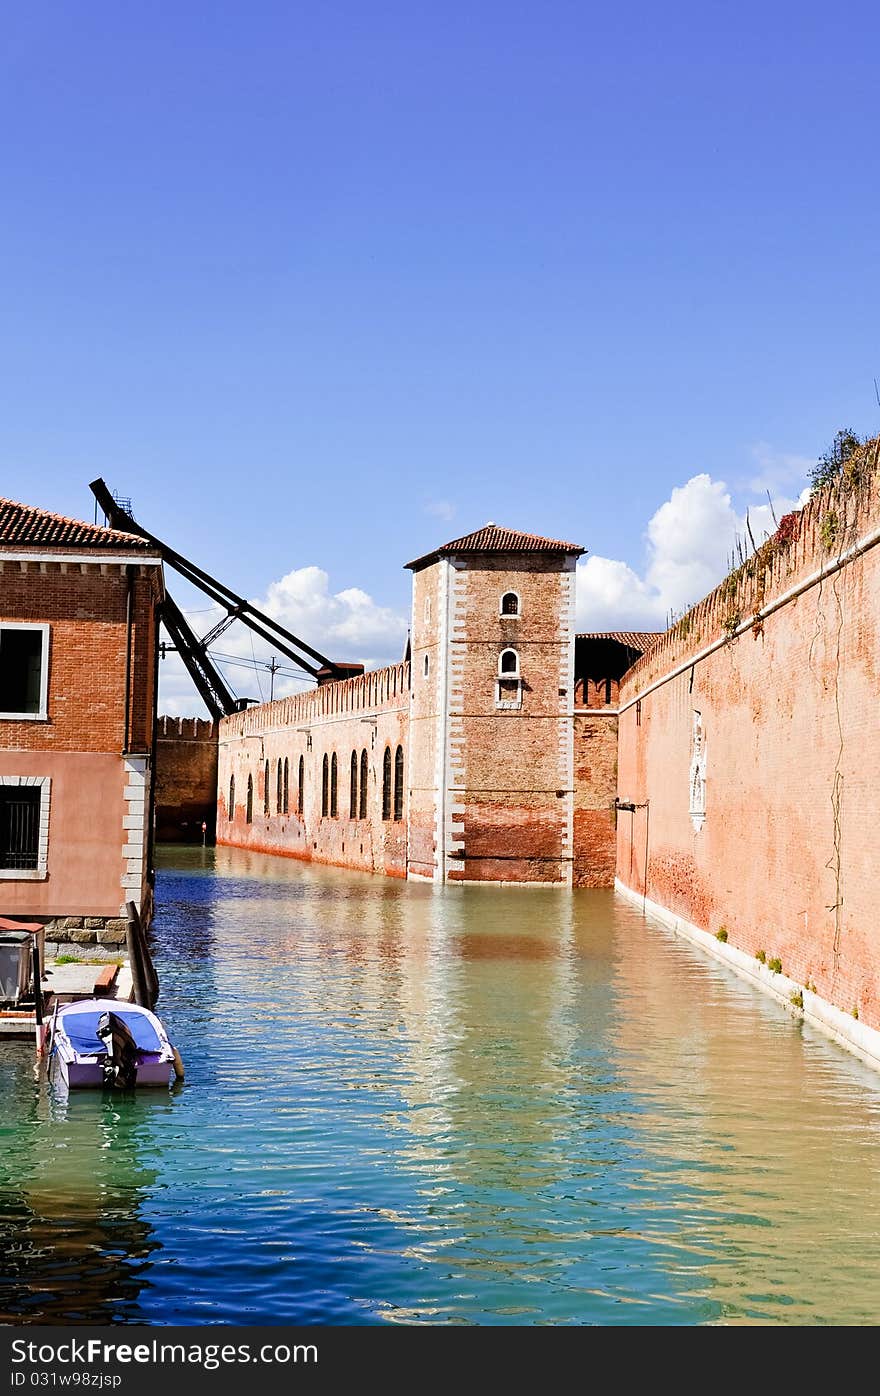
{"x":120,"y":1063}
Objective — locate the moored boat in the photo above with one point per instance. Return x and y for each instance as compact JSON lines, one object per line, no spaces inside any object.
{"x":104,"y":1043}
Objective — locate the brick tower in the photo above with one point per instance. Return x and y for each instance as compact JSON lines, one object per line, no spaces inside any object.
{"x":491,"y":709}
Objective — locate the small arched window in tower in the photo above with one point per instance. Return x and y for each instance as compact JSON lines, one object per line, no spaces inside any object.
{"x":426,"y":666}
{"x":353,"y":792}
{"x":386,"y":784}
{"x":325,"y":786}
{"x":286,"y":790}
{"x":301,"y":786}
{"x":249,"y":807}
{"x":398,"y":783}
{"x":362,"y":806}
{"x":510,"y":604}
{"x":279,"y":788}
{"x":508,"y":685}
{"x":266,"y":791}
{"x":334,"y":786}
{"x":230,"y":809}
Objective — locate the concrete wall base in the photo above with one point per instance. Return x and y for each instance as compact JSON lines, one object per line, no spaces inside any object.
{"x":846,"y":1031}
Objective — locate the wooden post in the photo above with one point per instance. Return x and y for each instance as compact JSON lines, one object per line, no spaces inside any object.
{"x":132,"y":940}
{"x":38,"y":995}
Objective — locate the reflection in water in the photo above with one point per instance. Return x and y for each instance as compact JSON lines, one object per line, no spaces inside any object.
{"x":453,"y":1105}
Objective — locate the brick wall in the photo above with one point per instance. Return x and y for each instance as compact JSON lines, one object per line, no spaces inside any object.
{"x":99,"y":795}
{"x":368,"y":714}
{"x":492,"y":793}
{"x":595,"y":790}
{"x":186,"y":779}
{"x":785,"y":859}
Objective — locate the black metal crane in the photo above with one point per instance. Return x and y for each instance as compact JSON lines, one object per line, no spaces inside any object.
{"x":193,"y":650}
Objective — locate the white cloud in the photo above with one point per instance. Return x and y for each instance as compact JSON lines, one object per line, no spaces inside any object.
{"x":690,"y":540}
{"x":345,"y":625}
{"x":441,"y":509}
{"x":777,"y":469}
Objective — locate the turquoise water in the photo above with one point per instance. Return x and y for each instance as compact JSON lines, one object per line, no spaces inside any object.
{"x":459,"y":1105}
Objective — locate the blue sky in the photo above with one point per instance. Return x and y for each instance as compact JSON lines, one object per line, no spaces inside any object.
{"x":321,"y":286}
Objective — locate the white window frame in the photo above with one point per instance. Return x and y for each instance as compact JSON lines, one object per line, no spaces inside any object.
{"x":41,"y":871}
{"x":508,"y":615}
{"x":43,"y":714}
{"x":508,"y":673}
{"x":508,"y":676}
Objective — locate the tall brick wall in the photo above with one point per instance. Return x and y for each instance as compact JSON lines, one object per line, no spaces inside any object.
{"x":595,"y":790}
{"x":186,"y":779}
{"x":368,"y":714}
{"x":781,"y":664}
{"x":92,"y":764}
{"x":493,"y":797}
{"x":85,"y":605}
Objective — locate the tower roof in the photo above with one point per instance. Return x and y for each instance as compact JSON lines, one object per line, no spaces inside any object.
{"x":21,"y":525}
{"x":493,"y":539}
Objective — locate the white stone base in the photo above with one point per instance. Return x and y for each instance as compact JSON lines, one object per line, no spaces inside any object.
{"x":846,"y":1031}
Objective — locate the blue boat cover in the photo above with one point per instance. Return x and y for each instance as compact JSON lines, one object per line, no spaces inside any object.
{"x":81,"y":1028}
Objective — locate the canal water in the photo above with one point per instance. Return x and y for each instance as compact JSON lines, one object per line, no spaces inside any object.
{"x":459,"y":1105}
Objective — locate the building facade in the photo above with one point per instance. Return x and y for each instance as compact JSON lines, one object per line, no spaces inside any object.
{"x":78,"y":647}
{"x":489,"y":755}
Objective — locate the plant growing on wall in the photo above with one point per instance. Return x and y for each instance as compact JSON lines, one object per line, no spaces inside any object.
{"x":831,"y":467}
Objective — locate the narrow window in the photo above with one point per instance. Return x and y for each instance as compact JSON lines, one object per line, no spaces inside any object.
{"x":249,"y":807}
{"x":386,"y":784}
{"x":398,"y":783}
{"x":22,"y":670}
{"x":286,"y":786}
{"x":301,"y":786}
{"x":510,"y":604}
{"x":353,"y":792}
{"x":426,"y":666}
{"x":266,"y":791}
{"x":279,"y":788}
{"x":334,"y":787}
{"x":230,"y":811}
{"x":638,"y":712}
{"x":607,"y":693}
{"x":19,"y":826}
{"x":325,"y":786}
{"x":362,"y":810}
{"x":509,"y":662}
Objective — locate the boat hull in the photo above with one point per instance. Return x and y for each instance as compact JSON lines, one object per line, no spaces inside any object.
{"x":90,"y":1074}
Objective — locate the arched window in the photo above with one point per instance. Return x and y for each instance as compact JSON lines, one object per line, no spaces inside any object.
{"x":508,"y":663}
{"x":230,"y":812}
{"x":353,"y":791}
{"x":386,"y":784}
{"x":426,"y":666}
{"x":325,"y":785}
{"x":279,"y":788}
{"x":286,"y":802}
{"x":301,"y":786}
{"x":510,"y":604}
{"x":266,"y":791}
{"x":398,"y":783}
{"x":362,"y":806}
{"x":334,"y":787}
{"x":249,"y":807}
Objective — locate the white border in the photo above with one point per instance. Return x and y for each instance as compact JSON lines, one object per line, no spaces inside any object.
{"x":43,"y":714}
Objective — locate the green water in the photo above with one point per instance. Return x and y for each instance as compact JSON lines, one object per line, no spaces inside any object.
{"x":450,"y":1106}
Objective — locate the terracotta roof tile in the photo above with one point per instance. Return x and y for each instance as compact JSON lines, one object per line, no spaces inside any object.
{"x":640,"y":640}
{"x":23,"y":526}
{"x":493,"y":539}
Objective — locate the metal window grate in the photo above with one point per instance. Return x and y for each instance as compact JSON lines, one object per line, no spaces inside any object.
{"x":19,"y":827}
